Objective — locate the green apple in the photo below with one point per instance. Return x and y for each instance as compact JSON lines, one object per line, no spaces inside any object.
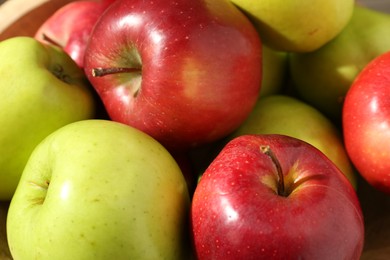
{"x":41,"y":89}
{"x":297,"y":25}
{"x":275,"y":65}
{"x":322,"y":78}
{"x":98,"y":189}
{"x":279,"y":114}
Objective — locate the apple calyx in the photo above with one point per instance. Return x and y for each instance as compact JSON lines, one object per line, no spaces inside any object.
{"x":281,"y":191}
{"x":59,"y":72}
{"x":101,"y":72}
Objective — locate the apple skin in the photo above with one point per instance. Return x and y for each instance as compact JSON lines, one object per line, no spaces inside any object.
{"x":62,"y":30}
{"x":283,"y":24}
{"x":200,"y":63}
{"x":274,"y":71}
{"x":98,"y":189}
{"x":281,"y":114}
{"x":237,"y":213}
{"x":366,"y":119}
{"x":42,"y":89}
{"x":323,"y":77}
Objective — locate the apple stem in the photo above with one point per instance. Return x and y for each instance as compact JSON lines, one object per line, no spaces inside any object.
{"x":267,"y":151}
{"x":100,"y":72}
{"x":50,"y":40}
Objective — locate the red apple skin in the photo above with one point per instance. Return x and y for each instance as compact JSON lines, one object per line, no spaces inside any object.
{"x":366,"y":123}
{"x":237,"y":214}
{"x":107,"y":2}
{"x":201,"y":68}
{"x":71,"y":25}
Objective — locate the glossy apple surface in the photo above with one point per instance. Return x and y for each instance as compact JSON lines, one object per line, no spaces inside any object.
{"x":71,"y":25}
{"x":241,"y":210}
{"x":185,"y":72}
{"x":366,"y":122}
{"x":297,"y":26}
{"x":323,"y":77}
{"x":97,"y":189}
{"x":42,"y":89}
{"x":280,"y":114}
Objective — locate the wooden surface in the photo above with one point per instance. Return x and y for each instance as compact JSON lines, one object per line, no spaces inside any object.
{"x":4,"y":251}
{"x":375,"y":205}
{"x":17,"y":17}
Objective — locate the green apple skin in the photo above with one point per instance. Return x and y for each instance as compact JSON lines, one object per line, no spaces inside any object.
{"x":297,"y":25}
{"x":274,"y":70}
{"x":97,"y":189}
{"x":41,"y":89}
{"x":280,"y":114}
{"x":323,"y":77}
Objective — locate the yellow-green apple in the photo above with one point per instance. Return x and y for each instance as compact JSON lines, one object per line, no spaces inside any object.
{"x":297,"y":26}
{"x":71,"y":25}
{"x":366,"y":122}
{"x":322,"y":78}
{"x":274,"y":71}
{"x":275,"y":197}
{"x":185,"y":72}
{"x":280,"y":114}
{"x":98,"y":189}
{"x":42,"y":89}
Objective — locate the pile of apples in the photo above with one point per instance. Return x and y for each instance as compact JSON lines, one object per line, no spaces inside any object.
{"x":194,"y":129}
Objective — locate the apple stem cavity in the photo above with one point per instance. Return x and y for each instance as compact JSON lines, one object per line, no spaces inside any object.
{"x":280,"y":187}
{"x":42,"y":186}
{"x":101,"y":72}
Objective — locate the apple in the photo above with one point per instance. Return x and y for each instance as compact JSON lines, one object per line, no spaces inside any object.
{"x":323,"y":77}
{"x":275,"y":197}
{"x":42,"y":89}
{"x":274,"y":71}
{"x":366,"y":119}
{"x":287,"y":115}
{"x":98,"y":189}
{"x":185,"y":72}
{"x":71,"y":25}
{"x":297,"y":26}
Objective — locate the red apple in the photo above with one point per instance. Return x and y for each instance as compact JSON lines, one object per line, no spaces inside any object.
{"x":275,"y":197}
{"x":366,"y":122}
{"x":107,"y":2}
{"x":71,"y":25}
{"x":185,"y":72}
